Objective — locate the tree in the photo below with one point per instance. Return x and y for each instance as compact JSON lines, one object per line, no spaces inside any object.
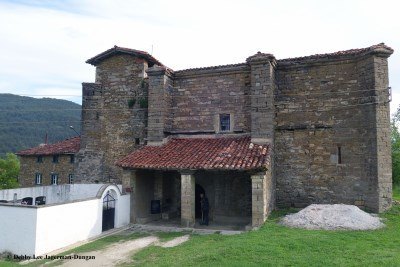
{"x":9,"y":170}
{"x":395,"y":147}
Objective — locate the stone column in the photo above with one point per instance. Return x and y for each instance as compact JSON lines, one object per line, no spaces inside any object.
{"x":187,"y":199}
{"x":160,"y":89}
{"x":262,"y":97}
{"x":258,"y":197}
{"x":158,"y":187}
{"x":129,"y":185}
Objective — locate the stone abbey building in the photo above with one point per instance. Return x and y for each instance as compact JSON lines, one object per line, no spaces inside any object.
{"x":253,"y":136}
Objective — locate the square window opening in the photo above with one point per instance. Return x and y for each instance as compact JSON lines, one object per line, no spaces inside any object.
{"x":54,"y":179}
{"x":225,"y":122}
{"x":72,"y":158}
{"x":38,"y":178}
{"x":70,"y":178}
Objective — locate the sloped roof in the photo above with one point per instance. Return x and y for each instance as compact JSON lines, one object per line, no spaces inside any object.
{"x":122,"y":50}
{"x":69,"y":146}
{"x":381,"y":47}
{"x":221,"y":153}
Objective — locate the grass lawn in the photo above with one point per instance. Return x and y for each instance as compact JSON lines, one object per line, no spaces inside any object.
{"x":275,"y":245}
{"x":271,"y":245}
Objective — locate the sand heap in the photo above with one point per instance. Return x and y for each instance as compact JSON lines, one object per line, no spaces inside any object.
{"x":332,"y":217}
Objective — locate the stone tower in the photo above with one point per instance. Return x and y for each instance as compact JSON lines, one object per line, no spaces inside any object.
{"x":114,"y":113}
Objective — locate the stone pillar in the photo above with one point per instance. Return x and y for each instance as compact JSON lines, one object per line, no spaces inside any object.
{"x":158,"y":186}
{"x":187,"y":199}
{"x":383,"y":142}
{"x":129,"y":185}
{"x":262,"y":77}
{"x":160,"y":88}
{"x":260,"y":200}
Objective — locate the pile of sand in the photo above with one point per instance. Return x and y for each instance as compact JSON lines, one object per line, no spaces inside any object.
{"x":332,"y":217}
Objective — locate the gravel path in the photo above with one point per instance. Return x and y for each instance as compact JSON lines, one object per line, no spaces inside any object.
{"x":121,"y":252}
{"x":332,"y":217}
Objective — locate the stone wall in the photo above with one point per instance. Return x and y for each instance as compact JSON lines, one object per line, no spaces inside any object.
{"x":326,"y":139}
{"x":114,"y":117}
{"x":229,"y":194}
{"x":199,"y":96}
{"x":30,"y":166}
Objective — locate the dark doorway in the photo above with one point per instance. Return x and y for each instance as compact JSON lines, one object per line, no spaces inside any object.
{"x":108,"y":212}
{"x":199,"y":190}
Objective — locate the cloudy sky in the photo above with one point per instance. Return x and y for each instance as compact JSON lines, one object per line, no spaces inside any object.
{"x":44,"y":44}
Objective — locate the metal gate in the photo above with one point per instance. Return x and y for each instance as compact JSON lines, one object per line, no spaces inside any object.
{"x":108,"y":212}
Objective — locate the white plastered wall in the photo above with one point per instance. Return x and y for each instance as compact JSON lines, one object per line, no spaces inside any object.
{"x":18,"y":230}
{"x":41,"y":229}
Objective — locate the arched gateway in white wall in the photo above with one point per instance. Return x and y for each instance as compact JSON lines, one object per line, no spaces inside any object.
{"x":86,"y":210}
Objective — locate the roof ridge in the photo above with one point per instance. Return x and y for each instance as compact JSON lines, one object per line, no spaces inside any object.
{"x":348,"y":52}
{"x":211,"y":67}
{"x":115,"y":49}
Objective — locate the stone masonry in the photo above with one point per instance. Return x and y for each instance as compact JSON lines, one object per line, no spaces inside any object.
{"x":325,"y":119}
{"x":30,"y":167}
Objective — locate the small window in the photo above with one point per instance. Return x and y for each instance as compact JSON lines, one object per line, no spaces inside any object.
{"x":137,"y":141}
{"x":38,"y":178}
{"x":72,"y":158}
{"x":55,"y":158}
{"x":54,"y":179}
{"x":225,"y":122}
{"x":39,"y":159}
{"x":339,"y":155}
{"x":70,"y":178}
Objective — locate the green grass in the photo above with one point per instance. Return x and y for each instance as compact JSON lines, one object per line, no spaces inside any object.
{"x":272,"y":245}
{"x":276,"y":245}
{"x":396,"y":192}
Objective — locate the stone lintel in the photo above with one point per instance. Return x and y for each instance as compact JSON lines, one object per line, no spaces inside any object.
{"x":186,"y":172}
{"x":261,"y":141}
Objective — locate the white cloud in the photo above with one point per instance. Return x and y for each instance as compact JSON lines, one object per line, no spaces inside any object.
{"x":45,"y":43}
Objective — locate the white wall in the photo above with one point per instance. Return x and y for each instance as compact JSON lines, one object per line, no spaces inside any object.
{"x":123,"y":211}
{"x":18,"y":229}
{"x":55,"y":194}
{"x":62,"y":225}
{"x":41,"y":229}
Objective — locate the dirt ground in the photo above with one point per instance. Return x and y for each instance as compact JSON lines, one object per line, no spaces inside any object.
{"x":121,"y":252}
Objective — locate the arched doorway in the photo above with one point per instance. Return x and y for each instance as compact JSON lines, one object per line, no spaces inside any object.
{"x":108,"y":212}
{"x":198,"y":190}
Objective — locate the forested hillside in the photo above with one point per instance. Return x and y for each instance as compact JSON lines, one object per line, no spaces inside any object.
{"x":24,"y":121}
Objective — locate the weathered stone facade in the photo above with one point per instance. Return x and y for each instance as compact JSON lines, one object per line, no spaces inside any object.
{"x":30,"y":167}
{"x":324,"y":117}
{"x":114,"y":115}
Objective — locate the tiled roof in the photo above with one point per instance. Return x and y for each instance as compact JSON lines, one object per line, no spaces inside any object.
{"x":122,"y":50}
{"x":335,"y":55}
{"x":211,"y":68}
{"x":352,"y":52}
{"x":221,"y":153}
{"x":69,"y":146}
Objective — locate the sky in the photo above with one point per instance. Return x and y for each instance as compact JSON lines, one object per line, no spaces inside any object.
{"x":44,"y":44}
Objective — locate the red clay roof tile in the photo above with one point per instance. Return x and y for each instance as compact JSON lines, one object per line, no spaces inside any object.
{"x":69,"y":146}
{"x":223,"y":153}
{"x":116,"y":49}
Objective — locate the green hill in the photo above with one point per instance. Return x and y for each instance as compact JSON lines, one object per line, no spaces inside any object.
{"x":25,"y":121}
